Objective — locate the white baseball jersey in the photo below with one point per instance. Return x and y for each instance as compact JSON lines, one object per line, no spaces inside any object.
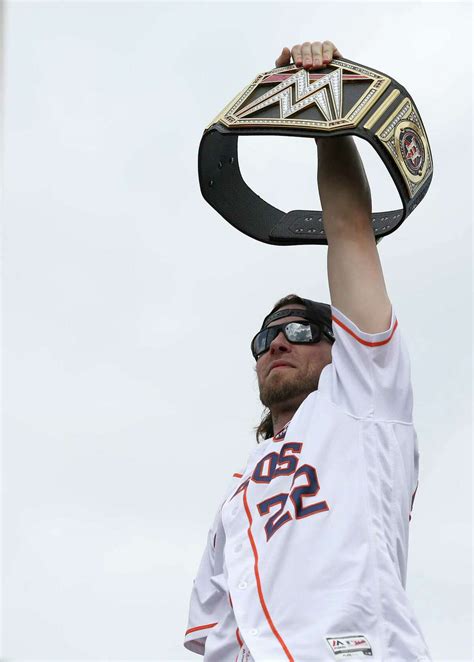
{"x":306,"y":559}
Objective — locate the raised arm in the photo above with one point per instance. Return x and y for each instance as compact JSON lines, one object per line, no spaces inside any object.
{"x":356,"y":281}
{"x":355,"y":274}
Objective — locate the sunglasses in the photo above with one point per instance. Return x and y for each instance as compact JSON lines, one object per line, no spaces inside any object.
{"x":298,"y":333}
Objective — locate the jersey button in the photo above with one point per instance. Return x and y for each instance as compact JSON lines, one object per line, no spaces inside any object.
{"x":235,"y":511}
{"x":237,"y":548}
{"x":243,"y":586}
{"x":254,"y":632}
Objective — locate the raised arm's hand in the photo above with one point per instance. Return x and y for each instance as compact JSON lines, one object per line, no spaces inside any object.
{"x":310,"y":55}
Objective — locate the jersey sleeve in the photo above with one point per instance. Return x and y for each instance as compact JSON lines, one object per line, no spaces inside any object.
{"x":208,"y":599}
{"x":369,"y":376}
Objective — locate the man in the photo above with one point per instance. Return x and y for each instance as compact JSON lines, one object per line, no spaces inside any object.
{"x":306,"y":559}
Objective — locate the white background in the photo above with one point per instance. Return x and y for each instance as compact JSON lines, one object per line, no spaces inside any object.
{"x":129,"y":394}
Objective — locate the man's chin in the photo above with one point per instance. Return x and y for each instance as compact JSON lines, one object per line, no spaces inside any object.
{"x":278,"y":391}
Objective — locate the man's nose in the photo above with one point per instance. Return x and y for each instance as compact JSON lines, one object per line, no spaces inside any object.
{"x":279,"y":344}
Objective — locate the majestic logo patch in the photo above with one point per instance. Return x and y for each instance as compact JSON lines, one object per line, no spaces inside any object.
{"x":244,"y":655}
{"x":354,"y":645}
{"x":412,"y":151}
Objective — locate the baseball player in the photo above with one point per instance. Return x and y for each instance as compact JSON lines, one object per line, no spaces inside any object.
{"x":306,"y":558}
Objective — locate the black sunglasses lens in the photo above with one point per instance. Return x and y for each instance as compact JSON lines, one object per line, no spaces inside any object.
{"x":260,"y":343}
{"x":301,"y":333}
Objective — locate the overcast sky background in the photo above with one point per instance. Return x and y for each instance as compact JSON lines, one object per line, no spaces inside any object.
{"x":129,"y":394}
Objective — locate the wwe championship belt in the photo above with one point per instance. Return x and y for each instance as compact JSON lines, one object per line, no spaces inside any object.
{"x":344,"y":98}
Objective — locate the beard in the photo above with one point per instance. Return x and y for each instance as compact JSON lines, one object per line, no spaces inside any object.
{"x":282,"y":388}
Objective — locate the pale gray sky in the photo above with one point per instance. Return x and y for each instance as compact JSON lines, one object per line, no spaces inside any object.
{"x":128,"y":306}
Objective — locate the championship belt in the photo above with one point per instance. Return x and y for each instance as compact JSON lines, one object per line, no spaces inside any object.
{"x":344,"y":98}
